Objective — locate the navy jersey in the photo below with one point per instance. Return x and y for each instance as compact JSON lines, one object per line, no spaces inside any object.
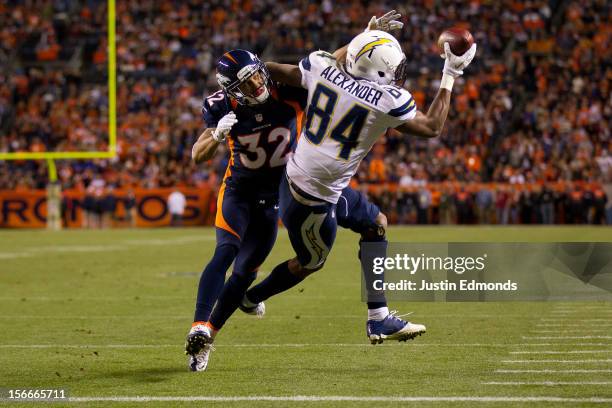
{"x":262,"y":138}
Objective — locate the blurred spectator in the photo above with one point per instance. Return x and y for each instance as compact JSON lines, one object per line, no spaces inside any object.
{"x":534,"y":107}
{"x":547,"y":206}
{"x":599,"y":206}
{"x":109,"y":206}
{"x":130,"y":208}
{"x":502,"y":206}
{"x":423,"y":206}
{"x":463,"y":203}
{"x":484,"y":206}
{"x":176,"y":207}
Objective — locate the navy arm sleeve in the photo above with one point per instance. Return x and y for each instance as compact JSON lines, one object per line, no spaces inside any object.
{"x":299,"y":95}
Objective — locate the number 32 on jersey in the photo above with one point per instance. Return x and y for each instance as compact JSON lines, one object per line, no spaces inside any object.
{"x":280,"y":135}
{"x":346,"y":132}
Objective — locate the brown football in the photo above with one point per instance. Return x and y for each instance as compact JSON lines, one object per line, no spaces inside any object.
{"x":459,"y":39}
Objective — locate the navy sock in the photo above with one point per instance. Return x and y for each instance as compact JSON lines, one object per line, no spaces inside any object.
{"x":230,"y":298}
{"x":375,"y":299}
{"x":211,"y":281}
{"x":279,"y":280}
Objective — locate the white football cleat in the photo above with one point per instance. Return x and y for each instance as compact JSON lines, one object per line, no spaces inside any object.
{"x":198,"y":346}
{"x":392,"y":328}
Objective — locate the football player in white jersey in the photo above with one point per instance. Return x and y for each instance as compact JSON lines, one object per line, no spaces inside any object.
{"x":354,"y":96}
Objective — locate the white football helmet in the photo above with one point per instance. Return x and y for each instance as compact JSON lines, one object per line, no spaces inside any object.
{"x":375,"y":55}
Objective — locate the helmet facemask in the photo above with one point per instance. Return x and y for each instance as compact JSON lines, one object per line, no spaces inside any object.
{"x":401,"y":73}
{"x":252,"y":86}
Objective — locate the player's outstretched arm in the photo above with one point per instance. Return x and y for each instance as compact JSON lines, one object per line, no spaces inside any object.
{"x":429,"y":124}
{"x":285,"y":73}
{"x":205,"y":147}
{"x":432,"y":123}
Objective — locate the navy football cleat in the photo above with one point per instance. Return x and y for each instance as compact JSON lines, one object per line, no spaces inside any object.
{"x":392,"y":328}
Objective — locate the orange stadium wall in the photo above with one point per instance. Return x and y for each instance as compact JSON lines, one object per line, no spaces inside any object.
{"x":28,"y":208}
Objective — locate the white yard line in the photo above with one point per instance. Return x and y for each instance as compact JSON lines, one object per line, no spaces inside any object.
{"x":185,"y":317}
{"x":585,"y":361}
{"x":122,"y":246}
{"x":562,"y":352}
{"x":577,"y":325}
{"x":564,"y":337}
{"x":162,"y":297}
{"x":594,"y":307}
{"x":337,"y":398}
{"x":77,"y":298}
{"x":573,"y":320}
{"x":293,"y":345}
{"x":547,"y":383}
{"x":567,"y":331}
{"x":295,"y":316}
{"x":570,"y":371}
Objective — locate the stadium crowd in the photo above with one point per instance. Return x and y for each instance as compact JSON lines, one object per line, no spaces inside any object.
{"x":527,"y":139}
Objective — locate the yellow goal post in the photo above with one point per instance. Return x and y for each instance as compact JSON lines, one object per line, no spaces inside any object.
{"x":53,"y":191}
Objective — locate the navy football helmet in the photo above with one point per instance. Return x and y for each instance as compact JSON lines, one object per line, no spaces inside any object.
{"x":234,"y":72}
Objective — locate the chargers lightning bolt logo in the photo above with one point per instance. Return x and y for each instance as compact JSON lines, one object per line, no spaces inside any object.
{"x":369,"y":47}
{"x":313,"y":242}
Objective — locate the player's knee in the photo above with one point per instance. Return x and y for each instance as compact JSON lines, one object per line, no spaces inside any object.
{"x":226,"y":251}
{"x":381,"y":219}
{"x":242,"y":280}
{"x":374,"y":233}
{"x":378,"y":232}
{"x":296,"y":268}
{"x":245,"y":274}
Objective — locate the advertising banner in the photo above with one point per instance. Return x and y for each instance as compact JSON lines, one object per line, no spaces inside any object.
{"x":148,"y":207}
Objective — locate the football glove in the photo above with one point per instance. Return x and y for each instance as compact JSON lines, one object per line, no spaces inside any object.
{"x":387,"y":22}
{"x":224,"y":126}
{"x":455,"y":64}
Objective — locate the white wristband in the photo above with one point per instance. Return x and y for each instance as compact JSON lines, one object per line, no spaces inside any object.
{"x":447,"y":82}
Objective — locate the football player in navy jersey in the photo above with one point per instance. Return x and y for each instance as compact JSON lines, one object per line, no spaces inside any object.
{"x":260,"y":122}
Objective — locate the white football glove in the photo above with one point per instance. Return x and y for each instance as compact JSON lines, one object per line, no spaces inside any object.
{"x":224,"y":126}
{"x":455,"y":64}
{"x":388,"y":22}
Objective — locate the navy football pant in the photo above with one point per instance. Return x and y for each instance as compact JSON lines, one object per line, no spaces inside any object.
{"x":247,"y":225}
{"x":311,"y":225}
{"x":356,"y":213}
{"x":312,"y":228}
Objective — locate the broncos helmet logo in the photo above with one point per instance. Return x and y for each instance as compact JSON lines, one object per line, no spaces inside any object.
{"x":223,"y":80}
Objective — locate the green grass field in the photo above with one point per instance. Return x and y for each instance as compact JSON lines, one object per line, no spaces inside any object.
{"x":105,"y":313}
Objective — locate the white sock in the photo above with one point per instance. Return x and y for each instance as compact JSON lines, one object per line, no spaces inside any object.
{"x":378,"y":313}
